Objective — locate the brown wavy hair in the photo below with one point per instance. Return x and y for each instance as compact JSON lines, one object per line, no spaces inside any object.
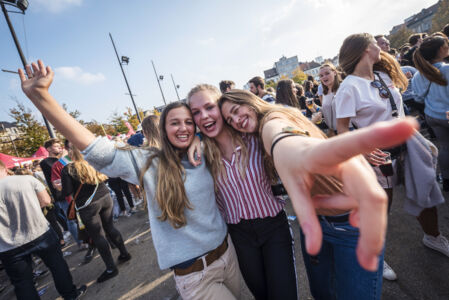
{"x":150,"y":129}
{"x":170,"y":191}
{"x":82,"y":171}
{"x":352,"y":50}
{"x":212,"y":151}
{"x":337,"y":78}
{"x":284,"y":93}
{"x":388,"y":64}
{"x":263,"y":110}
{"x":426,"y":53}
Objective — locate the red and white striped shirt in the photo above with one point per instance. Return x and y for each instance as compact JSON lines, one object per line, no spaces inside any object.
{"x":247,"y":198}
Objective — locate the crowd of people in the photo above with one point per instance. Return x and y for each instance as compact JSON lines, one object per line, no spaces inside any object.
{"x":215,"y":172}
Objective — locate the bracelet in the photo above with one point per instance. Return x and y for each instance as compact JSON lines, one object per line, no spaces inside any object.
{"x":287,"y":131}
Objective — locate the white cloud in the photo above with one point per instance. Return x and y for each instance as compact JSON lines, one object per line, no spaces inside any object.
{"x":76,"y":74}
{"x":206,"y":42}
{"x":56,"y":6}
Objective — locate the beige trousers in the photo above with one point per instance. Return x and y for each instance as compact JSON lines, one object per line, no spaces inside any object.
{"x":219,"y":281}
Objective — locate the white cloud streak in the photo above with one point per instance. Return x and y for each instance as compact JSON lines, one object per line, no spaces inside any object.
{"x":56,"y":6}
{"x":76,"y":74}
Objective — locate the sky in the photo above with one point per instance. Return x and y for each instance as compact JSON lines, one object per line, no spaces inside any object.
{"x":196,"y":41}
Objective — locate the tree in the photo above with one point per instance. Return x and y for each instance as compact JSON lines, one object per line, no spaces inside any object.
{"x":299,"y":76}
{"x":118,"y":121}
{"x":34,"y":133}
{"x":441,"y":17}
{"x":400,"y":37}
{"x":270,"y":83}
{"x":132,"y":118}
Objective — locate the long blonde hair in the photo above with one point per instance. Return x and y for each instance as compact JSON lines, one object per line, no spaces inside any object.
{"x":82,"y":171}
{"x":170,"y":191}
{"x":212,"y":151}
{"x":262,"y":110}
{"x":150,"y":129}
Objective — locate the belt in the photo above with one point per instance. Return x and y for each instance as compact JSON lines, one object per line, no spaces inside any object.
{"x":210,"y":258}
{"x":336,"y":219}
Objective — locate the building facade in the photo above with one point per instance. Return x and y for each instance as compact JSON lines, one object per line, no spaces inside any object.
{"x":420,"y":22}
{"x":284,"y":67}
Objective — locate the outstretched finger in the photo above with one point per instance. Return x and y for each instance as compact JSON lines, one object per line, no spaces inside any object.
{"x":305,"y":211}
{"x":359,"y":181}
{"x":29,"y":71}
{"x":342,"y":147}
{"x":22,"y":75}
{"x":36,"y":70}
{"x":42,"y":67}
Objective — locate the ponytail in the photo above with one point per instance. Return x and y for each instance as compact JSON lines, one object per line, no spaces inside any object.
{"x":427,"y":52}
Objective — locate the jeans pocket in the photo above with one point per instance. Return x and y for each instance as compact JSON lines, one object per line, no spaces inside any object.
{"x":187,"y":284}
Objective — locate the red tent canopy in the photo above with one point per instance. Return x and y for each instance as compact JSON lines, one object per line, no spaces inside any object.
{"x":12,"y":161}
{"x":40,"y":152}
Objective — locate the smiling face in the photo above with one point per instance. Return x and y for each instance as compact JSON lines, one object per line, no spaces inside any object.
{"x":327,"y":76}
{"x":206,"y":113}
{"x":180,"y":127}
{"x":241,"y":117}
{"x":384,"y":44}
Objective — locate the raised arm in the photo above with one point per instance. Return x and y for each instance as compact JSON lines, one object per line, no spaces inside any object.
{"x":339,"y":157}
{"x":36,"y":88}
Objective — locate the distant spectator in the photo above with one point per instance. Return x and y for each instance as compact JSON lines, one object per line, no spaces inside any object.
{"x":383,"y":42}
{"x":286,"y":93}
{"x":226,"y":85}
{"x":446,"y":30}
{"x":257,"y":87}
{"x":414,"y":40}
{"x":136,"y":139}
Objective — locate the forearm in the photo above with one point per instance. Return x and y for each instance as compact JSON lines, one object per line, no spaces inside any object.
{"x":342,"y":125}
{"x":70,"y":128}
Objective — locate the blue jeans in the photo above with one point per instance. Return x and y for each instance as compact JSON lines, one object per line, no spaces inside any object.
{"x":71,"y":224}
{"x":17,"y":263}
{"x":335,"y":272}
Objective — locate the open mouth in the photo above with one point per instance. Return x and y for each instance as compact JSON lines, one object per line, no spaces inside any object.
{"x":182,"y":137}
{"x":244,"y":123}
{"x":209,"y":126}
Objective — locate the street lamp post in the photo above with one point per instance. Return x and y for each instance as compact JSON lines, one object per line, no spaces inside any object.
{"x":22,"y":5}
{"x":125,"y":60}
{"x":158,"y":82}
{"x":175,"y":86}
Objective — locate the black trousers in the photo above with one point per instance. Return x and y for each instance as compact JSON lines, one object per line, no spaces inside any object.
{"x":97,"y":217}
{"x":52,"y":219}
{"x":120,"y":187}
{"x":264,"y":250}
{"x":18,"y":266}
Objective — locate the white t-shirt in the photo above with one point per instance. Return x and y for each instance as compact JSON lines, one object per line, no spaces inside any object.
{"x":357,"y":99}
{"x":328,"y":108}
{"x":21,"y":217}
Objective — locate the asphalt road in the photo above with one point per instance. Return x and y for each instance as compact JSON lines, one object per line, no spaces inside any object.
{"x":422,"y":273}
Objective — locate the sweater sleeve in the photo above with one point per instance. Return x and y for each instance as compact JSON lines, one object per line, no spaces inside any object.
{"x":105,"y":157}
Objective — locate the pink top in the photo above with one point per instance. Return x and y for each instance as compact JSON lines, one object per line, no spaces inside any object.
{"x":248,"y":198}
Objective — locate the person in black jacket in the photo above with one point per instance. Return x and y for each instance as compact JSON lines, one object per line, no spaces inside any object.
{"x":94,"y":206}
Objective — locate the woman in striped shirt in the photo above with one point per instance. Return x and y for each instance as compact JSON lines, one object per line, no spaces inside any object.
{"x":337,"y":179}
{"x":256,"y":219}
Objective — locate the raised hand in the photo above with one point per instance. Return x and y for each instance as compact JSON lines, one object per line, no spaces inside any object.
{"x":38,"y":81}
{"x":339,"y":157}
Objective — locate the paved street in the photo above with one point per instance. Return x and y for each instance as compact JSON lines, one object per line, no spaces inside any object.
{"x":423,"y":273}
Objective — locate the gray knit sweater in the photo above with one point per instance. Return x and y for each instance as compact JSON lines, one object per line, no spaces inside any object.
{"x":205,"y":228}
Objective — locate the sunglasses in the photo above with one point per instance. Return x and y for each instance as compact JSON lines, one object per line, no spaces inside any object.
{"x":383,"y":92}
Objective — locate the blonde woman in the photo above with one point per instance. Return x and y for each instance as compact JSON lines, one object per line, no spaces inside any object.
{"x":189,"y":234}
{"x":330,"y":79}
{"x":256,"y":219}
{"x":94,"y":205}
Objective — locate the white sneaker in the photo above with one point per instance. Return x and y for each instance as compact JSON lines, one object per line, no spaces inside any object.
{"x":124,"y":214}
{"x":388,"y":272}
{"x":439,"y":243}
{"x":66,"y":236}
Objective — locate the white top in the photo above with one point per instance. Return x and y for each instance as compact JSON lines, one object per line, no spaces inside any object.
{"x":328,"y":109}
{"x":21,"y":217}
{"x":357,"y":99}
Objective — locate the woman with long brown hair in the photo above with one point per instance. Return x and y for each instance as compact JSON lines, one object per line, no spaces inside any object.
{"x":286,"y":93}
{"x":369,"y":94}
{"x":189,"y":234}
{"x":312,"y":167}
{"x":430,"y":85}
{"x":94,"y":205}
{"x":257,"y":222}
{"x":330,"y":79}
